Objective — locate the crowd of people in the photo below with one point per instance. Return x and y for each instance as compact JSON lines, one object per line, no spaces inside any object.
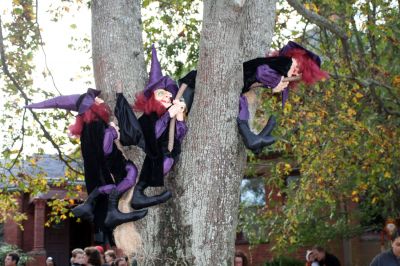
{"x":90,"y":256}
{"x":95,"y":256}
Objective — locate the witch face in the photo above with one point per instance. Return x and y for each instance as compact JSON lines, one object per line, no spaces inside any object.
{"x":163,"y":96}
{"x":294,"y":69}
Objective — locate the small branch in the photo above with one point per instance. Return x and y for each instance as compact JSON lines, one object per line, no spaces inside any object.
{"x":325,"y":24}
{"x":369,"y":83}
{"x":317,"y":19}
{"x":26,"y":98}
{"x":22,"y":142}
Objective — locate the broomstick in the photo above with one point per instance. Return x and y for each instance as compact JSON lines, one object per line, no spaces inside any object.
{"x":171,"y":132}
{"x":287,"y":79}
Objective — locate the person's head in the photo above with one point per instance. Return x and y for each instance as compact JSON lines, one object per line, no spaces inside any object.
{"x":109,"y":256}
{"x":11,"y":259}
{"x":78,"y":256}
{"x":92,"y":256}
{"x":319,"y":252}
{"x":50,"y":262}
{"x":396,"y":243}
{"x":311,"y":256}
{"x":240,"y":259}
{"x":120,"y":262}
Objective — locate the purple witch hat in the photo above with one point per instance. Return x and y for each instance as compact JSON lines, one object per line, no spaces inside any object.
{"x":75,"y":102}
{"x":156,"y":79}
{"x":292,"y":45}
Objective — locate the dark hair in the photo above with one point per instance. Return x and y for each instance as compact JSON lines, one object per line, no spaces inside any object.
{"x":319,"y":248}
{"x":111,"y":253}
{"x":117,"y":261}
{"x":14,"y":257}
{"x":243,"y":256}
{"x":93,"y":255}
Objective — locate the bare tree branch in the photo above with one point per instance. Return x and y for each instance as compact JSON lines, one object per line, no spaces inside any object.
{"x":325,"y":24}
{"x":26,"y":98}
{"x":317,"y":19}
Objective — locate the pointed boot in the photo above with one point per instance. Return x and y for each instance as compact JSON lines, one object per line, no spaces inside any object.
{"x":253,"y":142}
{"x":85,"y":210}
{"x":268,"y":127}
{"x":115,"y":217}
{"x":140,"y":200}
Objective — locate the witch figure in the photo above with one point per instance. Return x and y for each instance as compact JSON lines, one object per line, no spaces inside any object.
{"x":108,"y":174}
{"x":292,"y":64}
{"x":159,"y":109}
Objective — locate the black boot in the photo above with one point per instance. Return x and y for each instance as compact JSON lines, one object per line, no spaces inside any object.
{"x":140,"y":200}
{"x":253,"y":142}
{"x":268,"y":127}
{"x":85,"y":210}
{"x":115,"y":217}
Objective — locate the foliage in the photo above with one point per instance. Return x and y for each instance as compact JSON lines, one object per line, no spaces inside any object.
{"x":6,"y":248}
{"x":20,"y":42}
{"x":174,"y":26}
{"x":343,"y":134}
{"x":19,"y":173}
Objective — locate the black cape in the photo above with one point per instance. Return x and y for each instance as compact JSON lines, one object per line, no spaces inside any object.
{"x":142,"y":131}
{"x":100,"y":169}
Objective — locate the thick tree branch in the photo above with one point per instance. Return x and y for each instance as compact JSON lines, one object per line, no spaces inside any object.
{"x":317,"y":19}
{"x":26,"y":98}
{"x":325,"y":24}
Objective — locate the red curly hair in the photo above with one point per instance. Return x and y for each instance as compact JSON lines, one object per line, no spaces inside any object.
{"x":148,"y":105}
{"x":96,"y":112}
{"x":311,"y":72}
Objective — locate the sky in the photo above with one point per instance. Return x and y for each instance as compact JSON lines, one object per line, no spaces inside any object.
{"x":63,"y":62}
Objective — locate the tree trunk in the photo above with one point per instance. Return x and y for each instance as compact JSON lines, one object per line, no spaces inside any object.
{"x":197,"y":226}
{"x":117,"y":47}
{"x":258,"y":28}
{"x":118,"y":57}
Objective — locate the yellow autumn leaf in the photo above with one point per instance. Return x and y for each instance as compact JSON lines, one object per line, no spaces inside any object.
{"x":396,"y":81}
{"x":351,"y":112}
{"x":355,"y":199}
{"x":375,"y":200}
{"x":359,"y":95}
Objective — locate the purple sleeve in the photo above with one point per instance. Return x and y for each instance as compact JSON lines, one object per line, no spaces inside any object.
{"x":161,"y":124}
{"x":181,"y":130}
{"x":109,"y":135}
{"x":285,"y":96}
{"x":268,"y":76}
{"x":243,"y":108}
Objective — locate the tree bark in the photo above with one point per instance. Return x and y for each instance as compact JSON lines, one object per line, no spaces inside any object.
{"x":197,"y":226}
{"x":258,"y":28}
{"x":117,"y":47}
{"x":118,"y":57}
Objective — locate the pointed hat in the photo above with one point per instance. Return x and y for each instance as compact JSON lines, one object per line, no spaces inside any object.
{"x":74,"y":102}
{"x":292,"y":45}
{"x":156,"y":78}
